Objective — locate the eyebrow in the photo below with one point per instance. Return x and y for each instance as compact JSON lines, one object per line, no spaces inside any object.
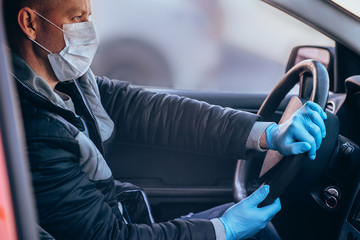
{"x":77,"y":9}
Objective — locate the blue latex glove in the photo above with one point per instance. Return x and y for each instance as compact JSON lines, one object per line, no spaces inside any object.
{"x":245,"y":219}
{"x":302,"y":132}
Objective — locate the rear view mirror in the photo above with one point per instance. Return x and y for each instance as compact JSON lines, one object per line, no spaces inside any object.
{"x":325,"y":55}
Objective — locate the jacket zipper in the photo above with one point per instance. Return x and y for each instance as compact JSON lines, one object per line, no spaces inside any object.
{"x":85,"y":126}
{"x":89,"y":110}
{"x":93,"y":117}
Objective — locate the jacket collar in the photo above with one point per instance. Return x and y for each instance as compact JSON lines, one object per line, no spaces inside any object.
{"x":86,"y":84}
{"x":24,"y":73}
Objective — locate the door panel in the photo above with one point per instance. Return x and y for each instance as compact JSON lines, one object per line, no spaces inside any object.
{"x":178,"y":182}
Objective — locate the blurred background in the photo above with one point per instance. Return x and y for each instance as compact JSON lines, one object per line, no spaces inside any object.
{"x":217,"y":45}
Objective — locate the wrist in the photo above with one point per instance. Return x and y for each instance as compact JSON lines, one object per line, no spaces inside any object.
{"x":262,"y":143}
{"x":256,"y":139}
{"x":268,"y":136}
{"x":228,"y":232}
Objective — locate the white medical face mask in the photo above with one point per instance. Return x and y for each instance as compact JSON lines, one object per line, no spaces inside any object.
{"x":75,"y":59}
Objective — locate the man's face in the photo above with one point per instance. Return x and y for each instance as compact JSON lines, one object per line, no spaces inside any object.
{"x":60,"y":12}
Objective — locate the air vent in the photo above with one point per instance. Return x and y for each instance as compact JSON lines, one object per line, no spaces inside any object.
{"x":330,"y":106}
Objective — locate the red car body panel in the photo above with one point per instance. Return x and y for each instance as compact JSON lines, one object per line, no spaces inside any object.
{"x":7,"y":218}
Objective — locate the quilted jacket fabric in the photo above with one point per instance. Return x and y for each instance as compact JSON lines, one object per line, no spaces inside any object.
{"x":67,"y":145}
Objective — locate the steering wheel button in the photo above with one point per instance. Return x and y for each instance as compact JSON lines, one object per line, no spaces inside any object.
{"x":332,"y":192}
{"x":331,"y":202}
{"x":331,"y":197}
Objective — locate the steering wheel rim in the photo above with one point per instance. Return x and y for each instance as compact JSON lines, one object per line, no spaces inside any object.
{"x":318,"y":94}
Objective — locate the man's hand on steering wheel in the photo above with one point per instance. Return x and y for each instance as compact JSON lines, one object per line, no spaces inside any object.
{"x":302,"y":132}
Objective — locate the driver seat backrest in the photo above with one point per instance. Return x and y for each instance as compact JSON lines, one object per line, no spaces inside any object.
{"x":349,"y":112}
{"x":44,"y":235}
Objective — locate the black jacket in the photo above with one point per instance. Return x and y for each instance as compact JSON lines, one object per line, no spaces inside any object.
{"x":74,"y":204}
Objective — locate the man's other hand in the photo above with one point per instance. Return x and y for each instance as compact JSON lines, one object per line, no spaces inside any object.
{"x":302,"y":132}
{"x":245,"y":219}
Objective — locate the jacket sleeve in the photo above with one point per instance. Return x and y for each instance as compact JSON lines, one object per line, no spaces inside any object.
{"x":177,"y":122}
{"x":71,"y":207}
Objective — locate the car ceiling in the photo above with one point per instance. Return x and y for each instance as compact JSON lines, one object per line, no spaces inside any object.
{"x":326,"y":17}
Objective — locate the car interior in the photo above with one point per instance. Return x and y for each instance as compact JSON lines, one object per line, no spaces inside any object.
{"x":320,"y":198}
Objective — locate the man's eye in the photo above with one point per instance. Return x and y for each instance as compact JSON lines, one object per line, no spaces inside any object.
{"x":78,"y":18}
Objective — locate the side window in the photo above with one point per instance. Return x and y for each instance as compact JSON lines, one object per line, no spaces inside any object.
{"x":226,"y":45}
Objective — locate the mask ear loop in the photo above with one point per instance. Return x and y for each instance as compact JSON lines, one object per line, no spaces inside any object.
{"x":47,"y":20}
{"x":34,"y":41}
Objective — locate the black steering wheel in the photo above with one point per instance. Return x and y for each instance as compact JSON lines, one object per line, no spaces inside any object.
{"x":314,"y":86}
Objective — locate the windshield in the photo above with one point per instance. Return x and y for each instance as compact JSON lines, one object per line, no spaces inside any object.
{"x":351,"y":6}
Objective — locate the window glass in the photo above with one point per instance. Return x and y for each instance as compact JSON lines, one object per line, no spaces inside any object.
{"x":226,"y":45}
{"x":351,"y":6}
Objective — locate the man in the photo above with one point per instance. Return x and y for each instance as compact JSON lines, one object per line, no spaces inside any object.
{"x":70,"y":116}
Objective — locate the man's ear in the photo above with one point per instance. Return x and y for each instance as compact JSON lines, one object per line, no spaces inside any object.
{"x":27,"y":22}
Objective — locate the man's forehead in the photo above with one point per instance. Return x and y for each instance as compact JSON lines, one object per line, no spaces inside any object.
{"x":78,"y":5}
{"x":73,"y":10}
{"x":70,"y":6}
